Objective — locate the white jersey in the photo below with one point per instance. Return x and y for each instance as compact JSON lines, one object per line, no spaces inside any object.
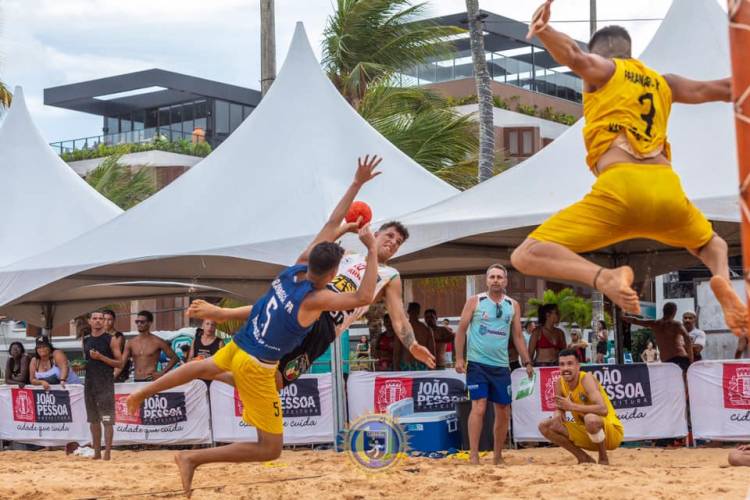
{"x":350,"y":276}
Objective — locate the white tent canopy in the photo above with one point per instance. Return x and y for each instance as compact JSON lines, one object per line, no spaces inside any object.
{"x":249,"y":207}
{"x":44,"y":202}
{"x":484,"y":224}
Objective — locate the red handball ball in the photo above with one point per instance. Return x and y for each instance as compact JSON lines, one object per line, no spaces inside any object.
{"x":359,"y":209}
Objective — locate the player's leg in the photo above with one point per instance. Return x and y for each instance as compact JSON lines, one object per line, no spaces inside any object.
{"x":109,"y":432}
{"x":205,"y":368}
{"x":715,"y":256}
{"x":500,"y":430}
{"x":554,"y":430}
{"x":476,"y":421}
{"x":740,"y":456}
{"x":96,"y":438}
{"x":554,"y":261}
{"x":595,"y":429}
{"x":267,"y":448}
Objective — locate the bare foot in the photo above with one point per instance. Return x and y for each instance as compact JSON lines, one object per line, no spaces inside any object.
{"x":106,"y":455}
{"x":735,"y":312}
{"x":474,"y":459}
{"x":603,"y":460}
{"x":97,"y":456}
{"x":187,"y":469}
{"x":498,"y":461}
{"x":134,"y":401}
{"x":617,"y":285}
{"x":586,"y":459}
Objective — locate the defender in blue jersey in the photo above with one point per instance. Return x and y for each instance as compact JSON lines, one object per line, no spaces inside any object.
{"x":278,"y":323}
{"x":491,"y":319}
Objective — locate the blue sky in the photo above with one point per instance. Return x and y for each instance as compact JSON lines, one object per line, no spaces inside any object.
{"x":44,"y":43}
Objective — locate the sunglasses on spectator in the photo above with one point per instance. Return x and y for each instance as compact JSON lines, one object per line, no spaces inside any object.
{"x":498,"y":311}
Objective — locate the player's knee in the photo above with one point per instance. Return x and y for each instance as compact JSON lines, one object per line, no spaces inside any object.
{"x":479,"y":407}
{"x":735,"y":458}
{"x":593,"y":422}
{"x":522,"y":257}
{"x":545,"y":426}
{"x":271,"y":445}
{"x":719,"y":244}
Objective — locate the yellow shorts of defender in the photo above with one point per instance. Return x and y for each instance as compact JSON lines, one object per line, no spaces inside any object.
{"x":629,"y":201}
{"x":613,"y":435}
{"x":256,"y":385}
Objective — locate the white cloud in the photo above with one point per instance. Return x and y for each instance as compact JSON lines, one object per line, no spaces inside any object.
{"x":45,"y":43}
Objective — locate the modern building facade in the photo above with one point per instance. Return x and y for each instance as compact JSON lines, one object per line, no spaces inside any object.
{"x":145,"y":105}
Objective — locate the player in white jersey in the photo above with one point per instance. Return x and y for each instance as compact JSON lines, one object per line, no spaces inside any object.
{"x":388,"y":239}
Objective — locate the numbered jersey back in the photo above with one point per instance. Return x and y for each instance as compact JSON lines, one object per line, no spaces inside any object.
{"x":635,"y":102}
{"x":272,"y":329}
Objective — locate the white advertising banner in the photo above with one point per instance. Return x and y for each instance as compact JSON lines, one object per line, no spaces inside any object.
{"x":649,"y":399}
{"x":431,"y":390}
{"x":45,"y":418}
{"x":306,"y":405}
{"x":177,"y":416}
{"x":720,"y":399}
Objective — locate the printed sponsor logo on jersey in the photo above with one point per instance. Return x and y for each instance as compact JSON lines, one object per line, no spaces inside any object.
{"x":437,"y":394}
{"x":627,"y":386}
{"x":342,"y":284}
{"x":301,"y":398}
{"x":41,"y":406}
{"x":389,"y":390}
{"x":164,"y":408}
{"x":736,"y":386}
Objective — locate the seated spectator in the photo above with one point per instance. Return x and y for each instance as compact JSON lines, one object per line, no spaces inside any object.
{"x":363,"y":348}
{"x":50,"y":366}
{"x":17,"y":367}
{"x":384,"y":347}
{"x":578,"y":345}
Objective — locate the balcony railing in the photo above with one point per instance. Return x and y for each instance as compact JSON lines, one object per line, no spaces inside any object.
{"x":132,"y":137}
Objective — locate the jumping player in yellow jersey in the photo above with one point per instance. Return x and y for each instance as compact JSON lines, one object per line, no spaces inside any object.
{"x":626,"y":106}
{"x":595,"y":425}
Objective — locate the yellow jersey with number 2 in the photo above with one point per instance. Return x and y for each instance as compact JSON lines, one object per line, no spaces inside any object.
{"x":634,"y":103}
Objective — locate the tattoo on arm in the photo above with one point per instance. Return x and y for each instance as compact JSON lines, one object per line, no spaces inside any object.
{"x":407,"y":336}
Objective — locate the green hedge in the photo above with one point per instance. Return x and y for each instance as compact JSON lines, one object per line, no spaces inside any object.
{"x":547,"y":113}
{"x":182,"y":146}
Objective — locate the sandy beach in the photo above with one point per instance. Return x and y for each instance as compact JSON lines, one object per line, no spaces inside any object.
{"x":537,"y":473}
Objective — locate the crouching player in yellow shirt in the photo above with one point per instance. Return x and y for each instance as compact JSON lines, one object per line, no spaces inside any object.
{"x":595,"y":425}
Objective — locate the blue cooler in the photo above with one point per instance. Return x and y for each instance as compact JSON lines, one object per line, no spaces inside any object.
{"x":430,"y":431}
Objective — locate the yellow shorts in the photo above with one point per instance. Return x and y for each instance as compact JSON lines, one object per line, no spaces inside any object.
{"x":613,"y":434}
{"x":256,"y":385}
{"x":629,"y":201}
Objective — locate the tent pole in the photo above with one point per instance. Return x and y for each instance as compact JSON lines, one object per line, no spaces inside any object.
{"x":339,"y":396}
{"x":739,"y":43}
{"x":48,"y":316}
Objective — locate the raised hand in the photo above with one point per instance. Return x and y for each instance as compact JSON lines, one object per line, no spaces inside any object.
{"x":366,"y":169}
{"x":366,"y":237}
{"x":540,"y":19}
{"x":201,"y":309}
{"x":421,"y":353}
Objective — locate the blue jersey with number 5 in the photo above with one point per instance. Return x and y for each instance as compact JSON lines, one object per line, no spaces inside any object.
{"x":272,"y":329}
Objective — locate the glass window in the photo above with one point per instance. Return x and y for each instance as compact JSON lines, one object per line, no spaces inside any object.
{"x":246,"y":110}
{"x":528,"y":139}
{"x":125,"y":125}
{"x":187,"y":118}
{"x":201,"y":115}
{"x":222,"y":117}
{"x":139,"y":117}
{"x":513,"y":142}
{"x":235,"y":116}
{"x":112,"y":125}
{"x":152,"y":118}
{"x":175,"y":113}
{"x":164,"y":117}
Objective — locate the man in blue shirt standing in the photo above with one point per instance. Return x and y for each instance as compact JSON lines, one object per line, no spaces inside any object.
{"x":490,"y":318}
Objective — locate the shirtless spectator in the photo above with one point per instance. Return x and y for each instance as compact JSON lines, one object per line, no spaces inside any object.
{"x":109,"y":325}
{"x":145,"y":350}
{"x":444,"y":337}
{"x":403,"y":358}
{"x":671,"y":338}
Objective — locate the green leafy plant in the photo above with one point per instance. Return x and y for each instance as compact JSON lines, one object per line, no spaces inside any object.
{"x":5,"y":96}
{"x":573,"y":308}
{"x":122,"y":185}
{"x":182,"y":146}
{"x":527,"y":109}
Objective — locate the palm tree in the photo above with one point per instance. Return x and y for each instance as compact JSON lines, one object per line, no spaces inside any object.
{"x":5,"y":96}
{"x":484,"y":92}
{"x":120,"y":184}
{"x":369,"y":40}
{"x":573,"y":308}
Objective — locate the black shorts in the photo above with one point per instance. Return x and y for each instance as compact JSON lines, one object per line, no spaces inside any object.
{"x":100,"y":401}
{"x":682,"y":361}
{"x":601,"y":348}
{"x":514,"y":365}
{"x":298,"y":361}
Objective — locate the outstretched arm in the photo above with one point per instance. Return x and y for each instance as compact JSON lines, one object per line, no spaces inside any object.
{"x":647,"y":323}
{"x":201,"y":309}
{"x":689,"y":91}
{"x":333,"y":229}
{"x":395,"y":305}
{"x":594,"y":69}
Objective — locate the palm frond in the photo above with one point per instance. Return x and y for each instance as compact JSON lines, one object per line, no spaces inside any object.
{"x":122,"y":185}
{"x":6,"y":97}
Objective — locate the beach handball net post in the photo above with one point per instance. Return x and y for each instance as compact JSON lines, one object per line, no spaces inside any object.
{"x":739,"y":44}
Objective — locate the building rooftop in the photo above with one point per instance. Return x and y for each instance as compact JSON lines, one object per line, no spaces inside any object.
{"x":151,"y":88}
